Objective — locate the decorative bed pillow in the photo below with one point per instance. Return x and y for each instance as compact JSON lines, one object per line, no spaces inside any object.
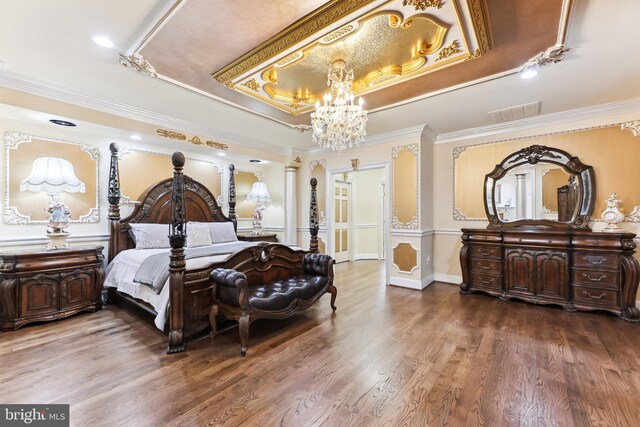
{"x":150,"y":236}
{"x":222,"y":232}
{"x":198,"y":234}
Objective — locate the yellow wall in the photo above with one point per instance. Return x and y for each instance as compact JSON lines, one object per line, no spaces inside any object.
{"x":612,"y":152}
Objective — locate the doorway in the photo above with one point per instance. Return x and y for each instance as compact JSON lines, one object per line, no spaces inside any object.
{"x":357,"y":228}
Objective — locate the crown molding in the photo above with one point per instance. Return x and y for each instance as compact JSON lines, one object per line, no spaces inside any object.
{"x":553,"y":119}
{"x":59,"y":93}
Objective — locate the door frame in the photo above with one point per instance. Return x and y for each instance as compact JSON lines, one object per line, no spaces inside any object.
{"x":350,"y":233}
{"x":330,"y":179}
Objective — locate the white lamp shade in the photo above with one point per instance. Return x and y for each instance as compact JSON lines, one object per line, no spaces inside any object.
{"x":259,"y":193}
{"x":52,"y":175}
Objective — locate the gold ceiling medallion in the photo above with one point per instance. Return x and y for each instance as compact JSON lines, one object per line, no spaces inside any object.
{"x":384,"y":44}
{"x":338,"y":34}
{"x":452,"y":49}
{"x":423,"y":4}
{"x":252,"y":84}
{"x":299,"y":30}
{"x":289,"y":59}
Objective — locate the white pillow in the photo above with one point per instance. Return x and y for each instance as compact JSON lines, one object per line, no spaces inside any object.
{"x":151,"y":236}
{"x":222,"y":232}
{"x":198,"y":234}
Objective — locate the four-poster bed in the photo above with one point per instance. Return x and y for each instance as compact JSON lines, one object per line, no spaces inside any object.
{"x":187,"y":299}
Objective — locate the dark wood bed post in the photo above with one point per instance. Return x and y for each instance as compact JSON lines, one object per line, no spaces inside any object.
{"x":313,"y":217}
{"x":113,"y":197}
{"x":232,"y":197}
{"x":177,"y":263}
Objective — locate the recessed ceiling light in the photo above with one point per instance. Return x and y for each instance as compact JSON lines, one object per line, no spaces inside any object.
{"x":255,"y":161}
{"x":103,"y":41}
{"x":529,"y":71}
{"x":136,"y":137}
{"x":222,"y":154}
{"x":62,"y":122}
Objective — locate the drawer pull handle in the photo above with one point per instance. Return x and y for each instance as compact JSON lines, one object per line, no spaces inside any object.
{"x":594,"y":296}
{"x":590,"y":261}
{"x":595,"y":279}
{"x":484,"y":267}
{"x":485,"y":253}
{"x":486,"y":282}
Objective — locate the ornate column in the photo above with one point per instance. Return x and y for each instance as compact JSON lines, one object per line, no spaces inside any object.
{"x":113,"y":196}
{"x":521,"y":195}
{"x":290,"y":206}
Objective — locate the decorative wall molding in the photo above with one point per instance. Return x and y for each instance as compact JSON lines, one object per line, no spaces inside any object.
{"x":59,"y":93}
{"x":414,"y":223}
{"x":537,"y":122}
{"x":415,"y":251}
{"x":10,"y":214}
{"x":633,"y":126}
{"x":411,"y":233}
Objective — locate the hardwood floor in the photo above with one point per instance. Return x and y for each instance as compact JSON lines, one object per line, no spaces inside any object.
{"x":389,"y":356}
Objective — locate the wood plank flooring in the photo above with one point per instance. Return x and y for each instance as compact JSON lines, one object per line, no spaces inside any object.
{"x":388,"y":357}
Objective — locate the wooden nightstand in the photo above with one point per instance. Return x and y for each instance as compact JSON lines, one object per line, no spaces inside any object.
{"x":264,"y":237}
{"x":41,"y":285}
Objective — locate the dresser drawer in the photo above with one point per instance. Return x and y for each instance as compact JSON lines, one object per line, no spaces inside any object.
{"x":597,"y":296}
{"x":486,"y":266}
{"x":486,"y":251}
{"x":605,"y":261}
{"x":596,"y":278}
{"x":488,"y":281}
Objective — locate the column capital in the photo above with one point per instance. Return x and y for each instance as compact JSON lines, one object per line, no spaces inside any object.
{"x":293,"y":165}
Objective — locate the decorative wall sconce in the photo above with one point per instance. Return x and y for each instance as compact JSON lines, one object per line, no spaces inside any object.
{"x":55,"y":176}
{"x":355,"y":164}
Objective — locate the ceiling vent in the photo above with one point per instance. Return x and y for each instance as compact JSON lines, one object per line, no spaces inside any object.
{"x":516,"y":113}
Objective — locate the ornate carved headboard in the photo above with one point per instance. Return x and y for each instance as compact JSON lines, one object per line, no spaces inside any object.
{"x":155,"y":206}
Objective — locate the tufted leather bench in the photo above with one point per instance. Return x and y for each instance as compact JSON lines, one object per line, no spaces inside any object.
{"x":285,"y":286}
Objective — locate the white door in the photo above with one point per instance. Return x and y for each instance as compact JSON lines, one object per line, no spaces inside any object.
{"x":341,"y":219}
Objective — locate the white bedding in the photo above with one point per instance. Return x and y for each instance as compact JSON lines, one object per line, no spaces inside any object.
{"x":123,"y":268}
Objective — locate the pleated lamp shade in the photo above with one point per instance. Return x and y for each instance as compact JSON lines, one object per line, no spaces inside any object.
{"x":53,"y":175}
{"x":259,"y":193}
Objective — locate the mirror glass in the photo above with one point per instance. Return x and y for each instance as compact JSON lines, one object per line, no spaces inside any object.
{"x":540,"y":186}
{"x":539,"y":191}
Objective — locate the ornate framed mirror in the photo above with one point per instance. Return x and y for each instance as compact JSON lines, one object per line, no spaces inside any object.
{"x":540,"y":186}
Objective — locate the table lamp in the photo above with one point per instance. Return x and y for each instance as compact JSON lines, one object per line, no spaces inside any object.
{"x":55,"y":176}
{"x":259,"y":194}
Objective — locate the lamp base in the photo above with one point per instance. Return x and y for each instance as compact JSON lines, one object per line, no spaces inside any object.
{"x":257,"y":230}
{"x":57,"y":241}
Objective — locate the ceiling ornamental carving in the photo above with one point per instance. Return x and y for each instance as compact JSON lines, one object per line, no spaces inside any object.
{"x":195,"y":140}
{"x":289,"y":70}
{"x":633,"y":126}
{"x":138,"y":63}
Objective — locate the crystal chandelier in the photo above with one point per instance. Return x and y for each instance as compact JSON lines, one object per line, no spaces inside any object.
{"x":339,"y":123}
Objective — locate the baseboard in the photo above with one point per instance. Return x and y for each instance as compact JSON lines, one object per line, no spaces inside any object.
{"x":412,"y":283}
{"x":448,"y":278}
{"x":365,"y":256}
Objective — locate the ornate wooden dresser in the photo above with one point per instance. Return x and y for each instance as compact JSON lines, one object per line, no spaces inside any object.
{"x":579,"y":270}
{"x":44,"y":285}
{"x":546,"y":261}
